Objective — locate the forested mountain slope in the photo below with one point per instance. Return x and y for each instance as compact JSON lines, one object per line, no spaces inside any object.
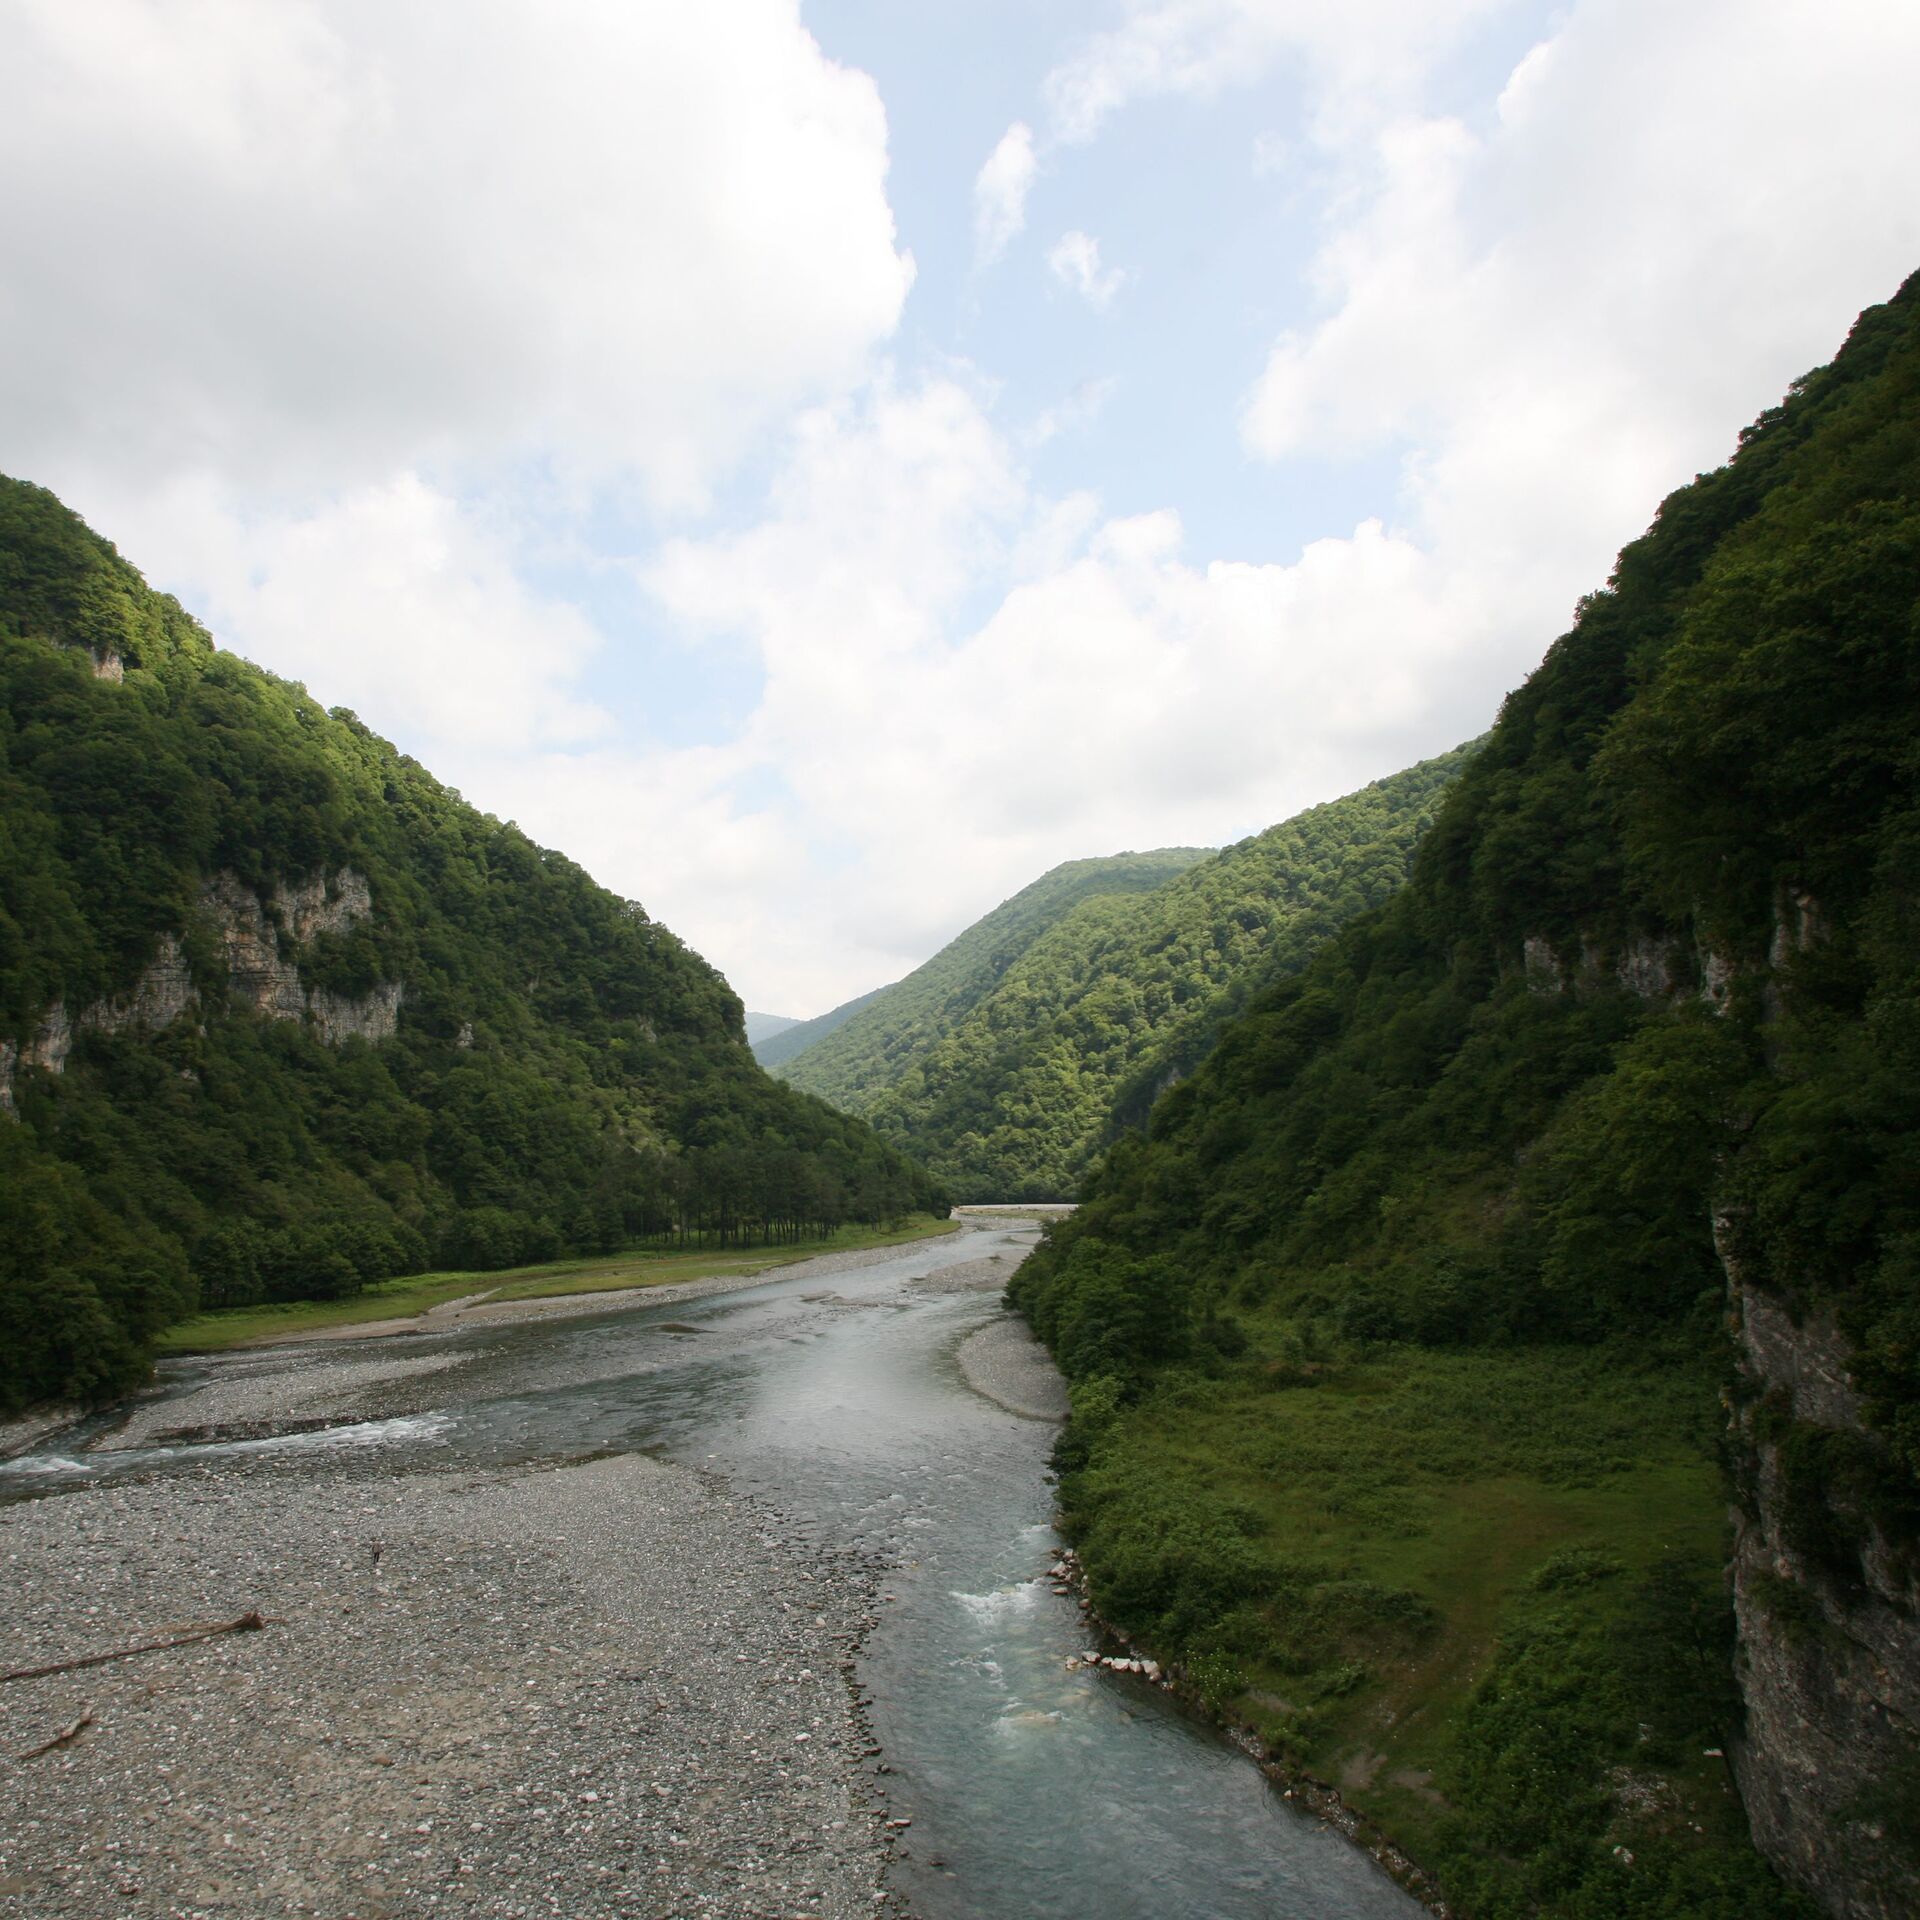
{"x":281,"y":1015}
{"x":1123,"y":994}
{"x":875,"y":1040}
{"x":778,"y":1048}
{"x":1399,"y":1345}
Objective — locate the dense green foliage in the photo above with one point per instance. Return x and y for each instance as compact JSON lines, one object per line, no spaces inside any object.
{"x":790,"y":1042}
{"x":1123,"y":994}
{"x":869,"y":1043}
{"x":1658,"y":957}
{"x":565,"y":1074}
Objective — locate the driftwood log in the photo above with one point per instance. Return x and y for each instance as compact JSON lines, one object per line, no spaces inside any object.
{"x":65,"y":1737}
{"x":246,"y":1623}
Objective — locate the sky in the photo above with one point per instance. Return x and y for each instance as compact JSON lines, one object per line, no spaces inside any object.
{"x":821,"y":465}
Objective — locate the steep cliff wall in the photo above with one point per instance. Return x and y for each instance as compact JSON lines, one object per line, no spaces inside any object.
{"x":1828,"y":1616}
{"x":1826,"y":1604}
{"x":260,"y":974}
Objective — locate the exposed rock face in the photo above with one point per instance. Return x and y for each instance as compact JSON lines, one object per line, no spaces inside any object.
{"x":163,"y":994}
{"x":1645,"y":965}
{"x":1829,"y":1661}
{"x":373,"y":1015}
{"x":107,"y":665}
{"x":1717,"y":970}
{"x":48,"y":1050}
{"x":260,"y":976}
{"x":1829,"y":1641}
{"x":1542,"y":965}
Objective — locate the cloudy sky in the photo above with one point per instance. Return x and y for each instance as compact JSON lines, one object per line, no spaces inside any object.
{"x":822,"y":464}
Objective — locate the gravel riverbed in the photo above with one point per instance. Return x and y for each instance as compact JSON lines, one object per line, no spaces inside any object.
{"x":605,"y":1688}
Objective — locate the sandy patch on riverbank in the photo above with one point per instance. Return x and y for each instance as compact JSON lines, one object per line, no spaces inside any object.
{"x":1004,"y":1362}
{"x":589,"y":1690}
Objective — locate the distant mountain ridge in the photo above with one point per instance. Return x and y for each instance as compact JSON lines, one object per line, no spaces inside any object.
{"x":1013,"y":1089}
{"x":763,"y":1026}
{"x":875,"y":1039}
{"x":789,"y":1042}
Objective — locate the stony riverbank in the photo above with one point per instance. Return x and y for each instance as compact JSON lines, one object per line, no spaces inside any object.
{"x":1011,"y":1368}
{"x":604,"y":1688}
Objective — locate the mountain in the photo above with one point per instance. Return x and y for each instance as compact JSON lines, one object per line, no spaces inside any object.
{"x":763,"y":1026}
{"x":1122,"y":994}
{"x":788,"y":1044}
{"x":876,"y":1040}
{"x":281,"y":1015}
{"x":1421,"y":1347}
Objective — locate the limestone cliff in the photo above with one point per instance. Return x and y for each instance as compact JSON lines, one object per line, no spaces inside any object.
{"x":1827,"y":1609}
{"x":260,"y":976}
{"x":1829,"y":1643}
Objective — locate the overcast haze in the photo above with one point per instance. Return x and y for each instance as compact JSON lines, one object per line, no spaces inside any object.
{"x":822,"y":465}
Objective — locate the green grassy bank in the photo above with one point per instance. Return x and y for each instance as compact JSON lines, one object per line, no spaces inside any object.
{"x":1478,"y":1592}
{"x":402,"y":1299}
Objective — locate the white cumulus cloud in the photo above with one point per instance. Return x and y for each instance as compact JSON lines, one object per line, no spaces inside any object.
{"x":316,"y":243}
{"x":1555,"y":324}
{"x":1361,"y":58}
{"x":1074,"y":260}
{"x":1000,"y":192}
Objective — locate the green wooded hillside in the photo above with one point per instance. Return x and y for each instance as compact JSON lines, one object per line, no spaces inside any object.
{"x":876,"y":1039}
{"x":1124,"y":993}
{"x":561,"y":1074}
{"x":1397,"y":1345}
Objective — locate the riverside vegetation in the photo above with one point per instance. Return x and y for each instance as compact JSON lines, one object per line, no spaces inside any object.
{"x":1014,"y":1055}
{"x":281,"y":1016}
{"x":1398,"y":1345}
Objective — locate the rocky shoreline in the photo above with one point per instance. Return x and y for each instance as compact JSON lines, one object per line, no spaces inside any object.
{"x":1007,"y":1365}
{"x":1068,"y":1578}
{"x":596,"y":1689}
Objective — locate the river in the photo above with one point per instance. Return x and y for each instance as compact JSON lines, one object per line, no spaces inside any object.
{"x":1033,"y":1788}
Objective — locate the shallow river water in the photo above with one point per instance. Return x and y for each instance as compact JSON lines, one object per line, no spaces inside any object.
{"x":1033,"y":1790}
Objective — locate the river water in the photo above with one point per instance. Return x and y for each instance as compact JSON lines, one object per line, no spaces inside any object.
{"x":1033,"y":1790}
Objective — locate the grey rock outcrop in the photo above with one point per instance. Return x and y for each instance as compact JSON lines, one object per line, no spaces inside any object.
{"x":261,"y":976}
{"x":372,"y":1016}
{"x":163,"y":994}
{"x":1829,"y":1660}
{"x":46,"y":1048}
{"x":1645,"y":964}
